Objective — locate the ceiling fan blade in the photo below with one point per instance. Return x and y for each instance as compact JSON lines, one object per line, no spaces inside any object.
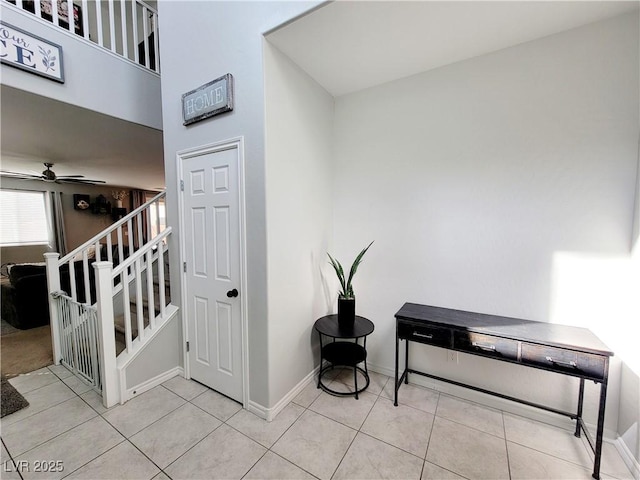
{"x":79,"y":180}
{"x":26,"y":176}
{"x":49,"y":176}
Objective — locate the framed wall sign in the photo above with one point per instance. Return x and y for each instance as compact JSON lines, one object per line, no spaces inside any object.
{"x":30,"y":53}
{"x":208,"y":100}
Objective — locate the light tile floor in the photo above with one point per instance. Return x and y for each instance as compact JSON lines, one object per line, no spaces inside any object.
{"x":182,"y":429}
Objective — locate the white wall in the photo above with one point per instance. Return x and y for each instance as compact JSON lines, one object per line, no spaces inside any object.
{"x":224,"y":37}
{"x":629,"y":419}
{"x":128,"y":92}
{"x":476,"y":178}
{"x":162,"y":355}
{"x":299,"y":130}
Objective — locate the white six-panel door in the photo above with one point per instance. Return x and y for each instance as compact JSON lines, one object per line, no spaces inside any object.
{"x":212,"y":288}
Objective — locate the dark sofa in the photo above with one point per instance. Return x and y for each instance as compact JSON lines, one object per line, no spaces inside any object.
{"x":25,"y":300}
{"x":24,"y":296}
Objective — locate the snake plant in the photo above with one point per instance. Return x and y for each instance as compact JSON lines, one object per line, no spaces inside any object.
{"x":345,"y":282}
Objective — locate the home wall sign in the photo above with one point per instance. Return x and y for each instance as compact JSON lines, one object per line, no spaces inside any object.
{"x":208,"y":100}
{"x":31,"y":53}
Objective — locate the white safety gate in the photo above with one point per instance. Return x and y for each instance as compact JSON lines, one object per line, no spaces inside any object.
{"x":78,"y":326}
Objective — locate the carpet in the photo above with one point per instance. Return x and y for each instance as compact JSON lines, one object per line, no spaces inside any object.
{"x":6,"y":328}
{"x":12,"y":401}
{"x":25,"y":351}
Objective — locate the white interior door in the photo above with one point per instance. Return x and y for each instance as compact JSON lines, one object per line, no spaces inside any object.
{"x":211,"y":220}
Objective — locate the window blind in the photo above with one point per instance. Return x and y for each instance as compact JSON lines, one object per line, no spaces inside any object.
{"x":23,"y":218}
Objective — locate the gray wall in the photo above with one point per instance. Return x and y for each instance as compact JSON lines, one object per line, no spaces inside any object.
{"x":299,"y":149}
{"x":224,"y":37}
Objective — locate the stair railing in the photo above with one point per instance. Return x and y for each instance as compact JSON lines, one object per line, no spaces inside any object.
{"x":86,"y":282}
{"x":128,"y":29}
{"x":129,"y":233}
{"x":129,"y":274}
{"x":137,"y":274}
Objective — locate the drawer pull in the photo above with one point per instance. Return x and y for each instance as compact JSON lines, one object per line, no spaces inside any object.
{"x":491,"y":348}
{"x":422,"y":335}
{"x":562,"y":364}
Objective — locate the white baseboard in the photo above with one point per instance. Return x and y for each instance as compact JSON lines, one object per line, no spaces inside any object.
{"x":151,"y":383}
{"x":389,"y":372}
{"x":269,"y":414}
{"x":627,"y":457}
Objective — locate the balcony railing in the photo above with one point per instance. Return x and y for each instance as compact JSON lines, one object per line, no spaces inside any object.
{"x":128,"y":28}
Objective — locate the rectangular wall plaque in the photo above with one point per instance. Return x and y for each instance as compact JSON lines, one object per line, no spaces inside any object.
{"x":208,"y":100}
{"x":30,"y":53}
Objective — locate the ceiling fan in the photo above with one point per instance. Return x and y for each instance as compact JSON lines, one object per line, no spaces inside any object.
{"x":49,"y":175}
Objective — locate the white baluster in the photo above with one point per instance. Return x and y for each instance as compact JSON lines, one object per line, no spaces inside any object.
{"x":95,"y":349}
{"x":151,"y":301}
{"x":53,"y":282}
{"x":134,"y":23}
{"x":85,"y":271}
{"x":109,"y":249}
{"x":72,"y":280}
{"x":147,"y":217}
{"x":126,"y":309}
{"x":130,"y":239}
{"x":157,"y":205}
{"x":112,"y":26}
{"x":54,"y":12}
{"x":161,"y":286}
{"x":71,"y":26}
{"x":85,"y":19}
{"x":145,"y":29}
{"x":120,"y":246}
{"x":139,"y":300}
{"x":106,"y":334}
{"x":139,"y":225}
{"x":156,"y":42}
{"x":123,"y":26}
{"x":99,"y":22}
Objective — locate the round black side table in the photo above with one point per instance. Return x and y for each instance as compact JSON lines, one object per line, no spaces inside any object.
{"x":344,"y":353}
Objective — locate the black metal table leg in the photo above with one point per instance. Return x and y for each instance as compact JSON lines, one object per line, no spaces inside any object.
{"x":406,"y":362}
{"x":395,"y":383}
{"x":600,"y":427}
{"x":580,"y":404}
{"x":320,"y":371}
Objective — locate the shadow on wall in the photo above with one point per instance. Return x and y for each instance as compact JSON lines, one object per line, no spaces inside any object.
{"x":629,"y":416}
{"x":600,"y":292}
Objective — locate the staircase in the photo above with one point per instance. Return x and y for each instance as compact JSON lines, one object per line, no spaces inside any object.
{"x":121,"y":274}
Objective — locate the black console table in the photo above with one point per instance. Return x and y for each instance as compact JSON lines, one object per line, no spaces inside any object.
{"x":344,"y":353}
{"x":561,"y":349}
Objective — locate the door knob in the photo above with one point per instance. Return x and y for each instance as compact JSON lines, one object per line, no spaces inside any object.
{"x":232,"y":293}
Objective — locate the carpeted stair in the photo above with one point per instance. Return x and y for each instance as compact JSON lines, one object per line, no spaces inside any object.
{"x":119,"y":319}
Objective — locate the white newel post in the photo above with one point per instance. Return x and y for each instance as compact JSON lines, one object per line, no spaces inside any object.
{"x":53,"y":283}
{"x":106,"y":334}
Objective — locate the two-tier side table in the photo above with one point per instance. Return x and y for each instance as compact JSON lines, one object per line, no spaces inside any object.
{"x":343,"y":349}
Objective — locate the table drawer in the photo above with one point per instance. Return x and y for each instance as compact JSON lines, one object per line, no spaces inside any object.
{"x":428,"y":334}
{"x":488,"y":345}
{"x":564,"y":361}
